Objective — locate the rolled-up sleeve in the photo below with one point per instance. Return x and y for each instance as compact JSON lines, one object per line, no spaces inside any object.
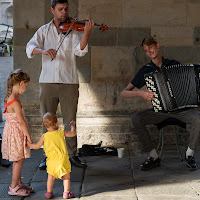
{"x":79,"y":52}
{"x":77,"y":48}
{"x":35,"y":42}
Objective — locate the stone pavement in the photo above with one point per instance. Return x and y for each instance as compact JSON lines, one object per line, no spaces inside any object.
{"x":113,"y":178}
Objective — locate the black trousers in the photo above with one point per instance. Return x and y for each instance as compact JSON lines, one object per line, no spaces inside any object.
{"x":147,"y":117}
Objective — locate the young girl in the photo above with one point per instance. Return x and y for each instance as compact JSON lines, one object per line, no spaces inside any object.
{"x":15,"y":131}
{"x":58,"y":164}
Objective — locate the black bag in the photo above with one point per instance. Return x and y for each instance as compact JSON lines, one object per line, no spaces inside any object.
{"x":96,"y":150}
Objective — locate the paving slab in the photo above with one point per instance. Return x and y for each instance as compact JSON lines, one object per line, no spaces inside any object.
{"x":108,"y":177}
{"x":40,"y":188}
{"x":4,"y":193}
{"x":112,"y":178}
{"x":75,"y":176}
{"x":104,"y":197}
{"x":173,"y":180}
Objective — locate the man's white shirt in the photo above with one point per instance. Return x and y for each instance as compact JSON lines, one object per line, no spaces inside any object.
{"x":63,"y":68}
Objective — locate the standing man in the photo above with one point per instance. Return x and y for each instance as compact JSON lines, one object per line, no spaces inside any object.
{"x":142,"y":118}
{"x":59,"y":79}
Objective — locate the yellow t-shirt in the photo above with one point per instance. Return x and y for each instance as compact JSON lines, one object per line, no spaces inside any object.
{"x":58,"y":163}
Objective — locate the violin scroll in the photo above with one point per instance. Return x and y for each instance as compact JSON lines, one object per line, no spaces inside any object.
{"x":103,"y":27}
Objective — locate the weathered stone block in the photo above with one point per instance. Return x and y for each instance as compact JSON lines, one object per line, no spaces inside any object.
{"x":193,"y":7}
{"x":92,"y":96}
{"x":112,"y":64}
{"x":132,"y":36}
{"x":73,"y":8}
{"x":196,"y":38}
{"x":173,"y":36}
{"x":101,"y":12}
{"x":115,"y":102}
{"x":168,"y":13}
{"x":84,"y":67}
{"x":154,"y":12}
{"x":106,"y":97}
{"x":31,"y":66}
{"x":183,"y":54}
{"x":22,"y":36}
{"x":47,"y":10}
{"x":110,"y":139}
{"x":105,"y":38}
{"x":24,"y":12}
{"x":137,"y":13}
{"x":32,"y":94}
{"x":36,"y":133}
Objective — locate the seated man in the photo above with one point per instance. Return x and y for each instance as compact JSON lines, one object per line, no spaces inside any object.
{"x":142,"y":118}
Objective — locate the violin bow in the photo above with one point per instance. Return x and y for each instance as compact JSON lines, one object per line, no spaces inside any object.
{"x":68,"y":31}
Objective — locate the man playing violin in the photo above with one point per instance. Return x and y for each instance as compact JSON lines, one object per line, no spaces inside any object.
{"x":59,"y":79}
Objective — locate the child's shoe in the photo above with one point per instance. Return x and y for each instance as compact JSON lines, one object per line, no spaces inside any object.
{"x":49,"y":195}
{"x":68,"y":195}
{"x":28,"y":188}
{"x":15,"y":192}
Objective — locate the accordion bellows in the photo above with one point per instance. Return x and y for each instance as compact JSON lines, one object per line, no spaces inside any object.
{"x":175,"y":87}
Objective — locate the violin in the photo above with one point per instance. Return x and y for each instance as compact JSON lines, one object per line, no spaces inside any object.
{"x":72,"y":24}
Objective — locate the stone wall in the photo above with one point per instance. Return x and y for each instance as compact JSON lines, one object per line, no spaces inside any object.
{"x":113,"y":59}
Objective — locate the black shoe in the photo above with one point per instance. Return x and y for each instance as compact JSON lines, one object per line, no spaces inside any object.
{"x":76,"y":162}
{"x":5,"y":163}
{"x":190,"y":162}
{"x":43,"y":165}
{"x":150,"y":164}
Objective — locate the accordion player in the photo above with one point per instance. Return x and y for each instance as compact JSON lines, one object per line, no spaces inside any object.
{"x":175,"y":87}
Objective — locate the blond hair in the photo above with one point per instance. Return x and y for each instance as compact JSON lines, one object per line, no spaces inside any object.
{"x":50,"y":120}
{"x":15,"y":77}
{"x":148,"y":41}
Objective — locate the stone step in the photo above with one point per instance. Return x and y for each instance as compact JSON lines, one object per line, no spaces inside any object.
{"x":108,"y":139}
{"x":91,"y":133}
{"x":117,"y":129}
{"x":91,"y":129}
{"x":99,"y":119}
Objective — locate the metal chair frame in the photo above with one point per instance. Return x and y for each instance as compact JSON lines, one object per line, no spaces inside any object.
{"x":167,"y":122}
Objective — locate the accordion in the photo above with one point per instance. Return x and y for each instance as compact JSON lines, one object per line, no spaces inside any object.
{"x":175,"y":87}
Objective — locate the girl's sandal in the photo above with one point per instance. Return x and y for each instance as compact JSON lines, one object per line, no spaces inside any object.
{"x":28,"y":188}
{"x":49,"y":195}
{"x":68,"y":195}
{"x":15,"y":191}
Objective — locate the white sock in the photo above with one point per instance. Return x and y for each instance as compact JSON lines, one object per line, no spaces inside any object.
{"x":189,"y":152}
{"x":153,"y":154}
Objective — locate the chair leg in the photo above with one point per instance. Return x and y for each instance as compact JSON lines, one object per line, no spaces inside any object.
{"x":162,"y":147}
{"x":177,"y":142}
{"x":161,"y":143}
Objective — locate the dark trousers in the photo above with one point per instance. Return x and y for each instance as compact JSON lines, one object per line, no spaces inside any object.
{"x":67,"y":95}
{"x":147,"y":117}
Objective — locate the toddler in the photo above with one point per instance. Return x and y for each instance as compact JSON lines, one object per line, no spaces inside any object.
{"x":58,"y":164}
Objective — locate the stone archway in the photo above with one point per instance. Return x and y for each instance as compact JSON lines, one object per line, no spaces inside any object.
{"x":6,"y":7}
{"x":9,"y":13}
